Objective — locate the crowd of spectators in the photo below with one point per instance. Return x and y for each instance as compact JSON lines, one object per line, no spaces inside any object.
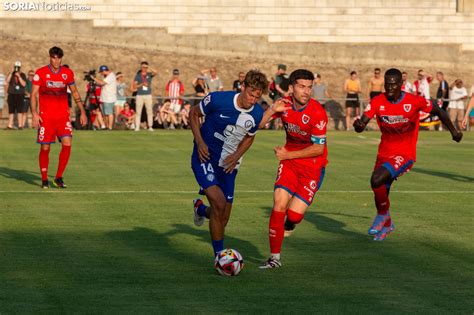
{"x":114,"y":103}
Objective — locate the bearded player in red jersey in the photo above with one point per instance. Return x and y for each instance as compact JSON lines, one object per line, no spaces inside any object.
{"x":50,"y":83}
{"x":397,"y":115}
{"x":302,"y":160}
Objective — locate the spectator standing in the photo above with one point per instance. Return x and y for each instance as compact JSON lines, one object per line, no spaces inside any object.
{"x":121,"y":94}
{"x":2,"y":93}
{"x":213,"y":81}
{"x":458,"y":94}
{"x":422,"y":85}
{"x":352,"y":88}
{"x":200,"y":87}
{"x":16,"y":81}
{"x":469,"y":111}
{"x":238,"y":83}
{"x":142,"y":84}
{"x":175,"y":90}
{"x":26,"y":104}
{"x":407,"y":87}
{"x":376,"y":83}
{"x":443,"y":90}
{"x":108,"y":95}
{"x":282,"y":82}
{"x":319,"y":90}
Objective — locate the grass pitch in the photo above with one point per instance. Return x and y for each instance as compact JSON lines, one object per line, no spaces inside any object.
{"x":121,"y":239}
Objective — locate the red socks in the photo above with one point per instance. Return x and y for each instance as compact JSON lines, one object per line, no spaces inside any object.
{"x":294,"y":217}
{"x":276,"y":231}
{"x":63,"y":159}
{"x":381,"y":201}
{"x":43,"y":163}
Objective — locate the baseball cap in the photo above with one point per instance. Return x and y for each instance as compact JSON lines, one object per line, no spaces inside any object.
{"x":282,"y":66}
{"x":103,"y":68}
{"x":176,"y":71}
{"x":17,"y":63}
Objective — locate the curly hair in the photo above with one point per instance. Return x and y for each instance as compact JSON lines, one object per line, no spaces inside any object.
{"x":257,"y":80}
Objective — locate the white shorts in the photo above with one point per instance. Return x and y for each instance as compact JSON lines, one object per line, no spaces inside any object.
{"x":175,"y":107}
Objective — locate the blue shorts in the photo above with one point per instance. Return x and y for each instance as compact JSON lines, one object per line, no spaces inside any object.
{"x":108,"y":108}
{"x":210,"y":173}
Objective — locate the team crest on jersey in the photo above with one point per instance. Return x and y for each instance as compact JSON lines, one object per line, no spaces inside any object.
{"x":36,"y":77}
{"x":248,"y":124}
{"x":305,"y":119}
{"x":64,"y":76}
{"x":210,"y":177}
{"x":313,"y":185}
{"x":321,"y":125}
{"x":382,"y":107}
{"x":407,"y":107}
{"x":207,"y":100}
{"x":48,"y":76}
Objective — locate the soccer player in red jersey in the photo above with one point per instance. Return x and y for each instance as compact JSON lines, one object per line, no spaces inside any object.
{"x":397,"y":115}
{"x":302,"y":160}
{"x":50,"y":84}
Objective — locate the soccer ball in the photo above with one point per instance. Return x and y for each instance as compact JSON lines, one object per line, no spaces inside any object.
{"x":229,"y":262}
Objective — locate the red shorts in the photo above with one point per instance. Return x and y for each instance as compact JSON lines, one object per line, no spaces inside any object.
{"x":52,"y":128}
{"x":397,"y":165}
{"x":300,"y":182}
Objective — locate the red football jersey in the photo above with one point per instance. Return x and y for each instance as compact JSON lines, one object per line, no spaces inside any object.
{"x":398,"y":123}
{"x":305,"y":127}
{"x":53,"y":90}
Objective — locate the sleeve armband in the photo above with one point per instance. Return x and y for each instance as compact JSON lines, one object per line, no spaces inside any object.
{"x":318,"y":139}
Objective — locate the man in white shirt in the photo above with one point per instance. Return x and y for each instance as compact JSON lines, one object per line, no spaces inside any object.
{"x":457,"y":94}
{"x":108,"y":95}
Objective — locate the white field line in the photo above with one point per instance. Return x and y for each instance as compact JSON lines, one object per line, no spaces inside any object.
{"x":172,"y":192}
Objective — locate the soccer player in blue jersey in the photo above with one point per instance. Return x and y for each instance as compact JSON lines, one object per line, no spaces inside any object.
{"x":231,"y":121}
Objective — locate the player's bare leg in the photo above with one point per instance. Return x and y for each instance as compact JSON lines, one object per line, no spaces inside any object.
{"x":295,"y":214}
{"x":64,"y":155}
{"x":217,"y":216}
{"x":43,"y":164}
{"x":380,"y":181}
{"x":276,"y":228}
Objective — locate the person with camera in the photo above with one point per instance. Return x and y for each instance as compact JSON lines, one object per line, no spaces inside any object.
{"x":52,"y":119}
{"x":108,"y":95}
{"x":16,"y":95}
{"x":142,"y":84}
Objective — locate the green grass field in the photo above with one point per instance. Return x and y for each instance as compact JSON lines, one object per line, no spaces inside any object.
{"x":121,"y":238}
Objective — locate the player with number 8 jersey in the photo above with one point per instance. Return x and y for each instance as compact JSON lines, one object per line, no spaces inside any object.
{"x":302,"y":160}
{"x":50,"y":85}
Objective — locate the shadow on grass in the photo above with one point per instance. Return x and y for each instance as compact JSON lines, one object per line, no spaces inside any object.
{"x":149,"y":240}
{"x":20,"y":175}
{"x":455,"y":177}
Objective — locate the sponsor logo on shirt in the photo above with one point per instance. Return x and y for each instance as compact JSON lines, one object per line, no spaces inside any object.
{"x":55,"y":84}
{"x":382,"y":107}
{"x":321,"y":125}
{"x":396,"y":119}
{"x":295,"y":128}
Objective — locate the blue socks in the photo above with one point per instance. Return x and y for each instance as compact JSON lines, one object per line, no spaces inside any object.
{"x":201,"y":210}
{"x":218,"y":246}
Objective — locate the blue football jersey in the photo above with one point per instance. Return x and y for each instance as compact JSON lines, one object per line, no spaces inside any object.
{"x":226,"y":124}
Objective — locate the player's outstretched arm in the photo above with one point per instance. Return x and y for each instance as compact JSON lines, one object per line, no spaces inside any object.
{"x":33,"y":104}
{"x":77,"y":98}
{"x":360,"y":123}
{"x":443,"y":116}
{"x":232,"y":160}
{"x":313,"y":150}
{"x":195,"y":122}
{"x":279,"y":106}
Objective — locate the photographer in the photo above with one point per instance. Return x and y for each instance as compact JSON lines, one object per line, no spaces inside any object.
{"x":16,"y":95}
{"x":108,"y":95}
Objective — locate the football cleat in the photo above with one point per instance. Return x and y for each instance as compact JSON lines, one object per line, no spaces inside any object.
{"x":45,"y":184}
{"x":289,"y":228}
{"x":382,"y":235}
{"x":59,"y":183}
{"x":379,"y":223}
{"x":271,"y":263}
{"x":198,"y":219}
